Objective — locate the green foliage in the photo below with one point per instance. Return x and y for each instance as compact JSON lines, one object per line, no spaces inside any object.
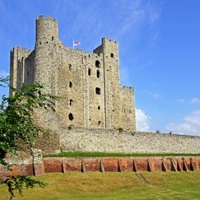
{"x":17,"y":126}
{"x":19,"y":182}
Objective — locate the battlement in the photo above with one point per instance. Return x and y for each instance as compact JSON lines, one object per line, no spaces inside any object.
{"x":22,"y":50}
{"x":105,"y":39}
{"x":87,"y":82}
{"x":49,"y":18}
{"x":46,"y":29}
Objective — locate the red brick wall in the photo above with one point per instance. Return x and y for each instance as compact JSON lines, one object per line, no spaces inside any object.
{"x":51,"y":165}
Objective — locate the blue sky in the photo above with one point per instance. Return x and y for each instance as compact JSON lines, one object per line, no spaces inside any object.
{"x":159,"y":45}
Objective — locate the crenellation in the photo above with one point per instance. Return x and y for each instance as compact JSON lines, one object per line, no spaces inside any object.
{"x":95,"y":113}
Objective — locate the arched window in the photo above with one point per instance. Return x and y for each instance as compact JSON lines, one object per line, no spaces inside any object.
{"x":97,"y":63}
{"x":71,"y":117}
{"x":71,"y":102}
{"x":99,"y":107}
{"x":112,"y":55}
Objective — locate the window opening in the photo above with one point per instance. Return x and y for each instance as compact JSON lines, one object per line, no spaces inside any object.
{"x":97,"y":64}
{"x":98,"y":73}
{"x":112,"y":55}
{"x":98,"y":107}
{"x":89,"y":71}
{"x":71,"y":117}
{"x":70,"y":84}
{"x":98,"y":90}
{"x":52,"y":38}
{"x":71,"y":102}
{"x":70,"y":66}
{"x":99,"y":122}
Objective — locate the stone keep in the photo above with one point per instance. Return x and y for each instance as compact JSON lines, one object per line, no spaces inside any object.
{"x":89,"y":84}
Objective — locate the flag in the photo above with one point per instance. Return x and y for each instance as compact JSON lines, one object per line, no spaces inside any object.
{"x":76,"y":43}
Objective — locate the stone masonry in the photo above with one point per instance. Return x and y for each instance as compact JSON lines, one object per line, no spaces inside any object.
{"x":92,"y":96}
{"x":95,"y":113}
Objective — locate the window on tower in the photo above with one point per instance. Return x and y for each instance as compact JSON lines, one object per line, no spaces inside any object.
{"x":98,"y":73}
{"x":98,"y":90}
{"x":71,"y":117}
{"x":70,"y":84}
{"x":97,"y":64}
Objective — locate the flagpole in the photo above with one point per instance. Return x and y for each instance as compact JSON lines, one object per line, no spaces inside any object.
{"x":73,"y":44}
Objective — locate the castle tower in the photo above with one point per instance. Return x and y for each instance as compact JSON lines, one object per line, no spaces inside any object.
{"x":46,"y":45}
{"x":109,"y":49}
{"x":88,"y":83}
{"x":46,"y":30}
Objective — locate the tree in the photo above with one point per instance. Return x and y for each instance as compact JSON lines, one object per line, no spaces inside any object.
{"x":17,"y":127}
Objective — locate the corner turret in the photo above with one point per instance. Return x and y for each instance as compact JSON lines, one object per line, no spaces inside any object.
{"x":46,"y":29}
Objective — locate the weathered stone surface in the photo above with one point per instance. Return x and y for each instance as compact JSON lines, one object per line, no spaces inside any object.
{"x":95,"y":113}
{"x":88,"y":83}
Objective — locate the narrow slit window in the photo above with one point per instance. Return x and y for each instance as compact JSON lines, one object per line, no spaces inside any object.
{"x":71,"y":117}
{"x":89,"y":72}
{"x":98,"y":74}
{"x":70,"y":84}
{"x":71,"y":102}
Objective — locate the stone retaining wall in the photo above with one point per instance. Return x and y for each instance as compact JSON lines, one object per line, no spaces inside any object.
{"x":108,"y":164}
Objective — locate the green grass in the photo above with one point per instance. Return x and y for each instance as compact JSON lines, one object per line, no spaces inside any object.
{"x":102,"y":154}
{"x":114,"y":186}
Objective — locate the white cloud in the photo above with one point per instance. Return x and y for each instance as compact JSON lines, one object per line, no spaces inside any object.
{"x":195,"y":101}
{"x":189,"y":126}
{"x":142,"y":120}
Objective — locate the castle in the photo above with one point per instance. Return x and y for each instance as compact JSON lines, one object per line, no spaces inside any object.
{"x":100,"y":110}
{"x":92,"y":96}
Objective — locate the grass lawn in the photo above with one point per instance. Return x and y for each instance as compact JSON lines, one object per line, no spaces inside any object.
{"x":114,"y":185}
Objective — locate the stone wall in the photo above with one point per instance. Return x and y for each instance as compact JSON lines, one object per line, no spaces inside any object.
{"x":99,"y":140}
{"x":88,"y":83}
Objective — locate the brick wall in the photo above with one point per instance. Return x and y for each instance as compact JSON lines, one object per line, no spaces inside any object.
{"x":108,"y":164}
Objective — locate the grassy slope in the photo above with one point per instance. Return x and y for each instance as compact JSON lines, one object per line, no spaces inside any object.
{"x":125,"y":185}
